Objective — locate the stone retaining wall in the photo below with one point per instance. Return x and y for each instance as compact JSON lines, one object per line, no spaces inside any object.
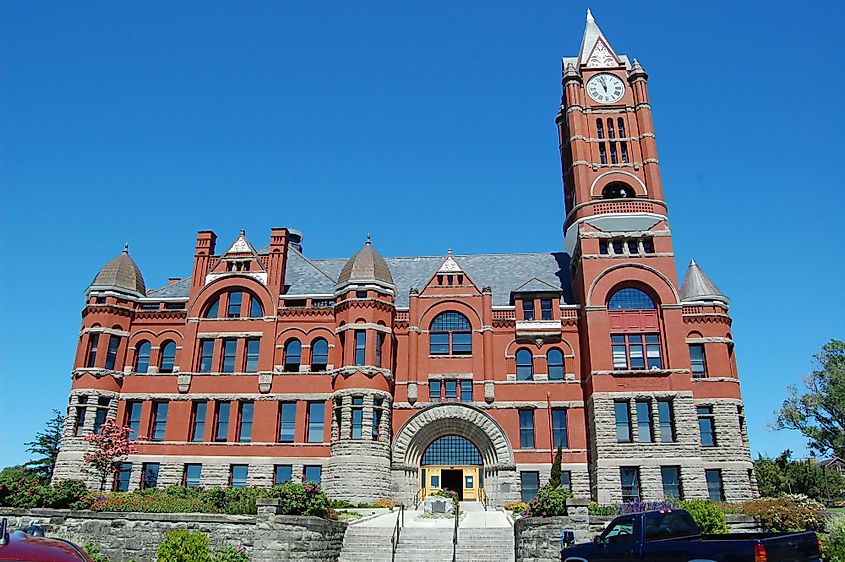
{"x":135,"y":536}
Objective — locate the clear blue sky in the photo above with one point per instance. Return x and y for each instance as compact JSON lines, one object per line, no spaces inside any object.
{"x":428,"y":124}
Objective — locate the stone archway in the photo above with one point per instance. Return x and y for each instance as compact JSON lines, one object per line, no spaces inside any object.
{"x":438,"y":420}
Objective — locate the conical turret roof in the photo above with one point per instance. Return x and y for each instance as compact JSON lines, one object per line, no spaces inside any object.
{"x":121,"y":273}
{"x":595,"y":48}
{"x":697,"y":286}
{"x":367,"y":266}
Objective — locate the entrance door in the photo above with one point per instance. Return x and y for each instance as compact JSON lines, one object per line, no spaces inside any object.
{"x":453,"y":480}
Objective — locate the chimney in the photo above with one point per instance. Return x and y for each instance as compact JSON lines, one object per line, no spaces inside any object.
{"x":280,"y":237}
{"x":173,"y":280}
{"x":206,"y":242}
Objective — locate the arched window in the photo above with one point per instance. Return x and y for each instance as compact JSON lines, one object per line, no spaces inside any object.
{"x":293,"y":355}
{"x":142,"y":359}
{"x":211,"y":311}
{"x":599,"y":129}
{"x":319,"y":355}
{"x":635,"y":337}
{"x":621,"y":123}
{"x":630,"y":299}
{"x":168,"y":357}
{"x":554,"y":359}
{"x":452,"y":450}
{"x":524,"y":365}
{"x":617,"y":190}
{"x":255,"y":308}
{"x":451,"y":334}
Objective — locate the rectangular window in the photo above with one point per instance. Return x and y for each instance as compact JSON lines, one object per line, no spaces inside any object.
{"x":644,"y":421}
{"x":159,"y":421}
{"x":439,"y":344}
{"x":566,"y":480}
{"x":378,"y":403}
{"x":149,"y":475}
{"x":559,"y":433}
{"x":648,"y":245}
{"x":629,"y":352}
{"x":234,"y":309}
{"x":282,"y":473}
{"x":379,"y":345}
{"x":633,"y":246}
{"x":287,"y":422}
{"x":79,"y":421}
{"x":360,"y":347}
{"x":245,"y":425}
{"x":461,"y":343}
{"x":133,"y":418}
{"x":251,"y":361}
{"x":111,"y":355}
{"x":451,"y":388}
{"x":122,"y":476}
{"x":530,"y":481}
{"x":671,"y":476}
{"x":602,"y":153}
{"x":206,"y":355}
{"x":528,"y":309}
{"x":435,"y":481}
{"x":238,"y":474}
{"x":360,"y":294}
{"x":434,"y":391}
{"x":192,"y":475}
{"x":357,"y":416}
{"x":630,"y":476}
{"x":667,"y":425}
{"x":546,"y":309}
{"x":99,"y":419}
{"x":221,"y":425}
{"x":93,"y":343}
{"x":312,"y":473}
{"x":620,"y":352}
{"x":316,"y":413}
{"x":230,"y":348}
{"x":526,"y":429}
{"x":623,"y":422}
{"x":699,"y":365}
{"x":706,"y":426}
{"x":466,"y":390}
{"x":603,"y":247}
{"x":714,"y":485}
{"x":198,"y":422}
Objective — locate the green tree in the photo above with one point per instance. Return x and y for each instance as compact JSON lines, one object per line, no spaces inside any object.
{"x":554,"y":479}
{"x":783,"y":475}
{"x":818,"y":410}
{"x":46,"y":446}
{"x":771,"y":476}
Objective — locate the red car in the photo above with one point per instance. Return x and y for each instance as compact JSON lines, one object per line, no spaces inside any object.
{"x":21,"y":547}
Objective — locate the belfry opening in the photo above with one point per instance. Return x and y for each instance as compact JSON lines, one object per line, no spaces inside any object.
{"x":453,"y":463}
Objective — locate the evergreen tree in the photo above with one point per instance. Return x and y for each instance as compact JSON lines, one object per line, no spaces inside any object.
{"x":46,"y":446}
{"x":554,"y":480}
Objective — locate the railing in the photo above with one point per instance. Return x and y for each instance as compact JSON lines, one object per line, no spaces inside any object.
{"x":455,"y":532}
{"x":485,"y":501}
{"x":394,"y":540}
{"x":418,"y":498}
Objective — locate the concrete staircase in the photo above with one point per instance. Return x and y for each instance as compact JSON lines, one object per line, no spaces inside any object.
{"x":482,"y":536}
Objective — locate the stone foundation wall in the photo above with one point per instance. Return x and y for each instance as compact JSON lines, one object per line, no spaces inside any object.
{"x":136,"y":536}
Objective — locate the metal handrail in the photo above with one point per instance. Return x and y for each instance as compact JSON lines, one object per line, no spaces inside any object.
{"x":455,"y":532}
{"x":394,"y":539}
{"x":418,"y":498}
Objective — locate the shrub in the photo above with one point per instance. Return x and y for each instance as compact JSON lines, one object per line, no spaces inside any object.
{"x":301,"y":499}
{"x":340,"y":504}
{"x":231,"y":554}
{"x":516,"y":507}
{"x":549,"y":502}
{"x":554,"y":477}
{"x":94,"y":552}
{"x":601,"y":510}
{"x":384,"y":503}
{"x":833,"y":543}
{"x":707,"y":515}
{"x":788,"y":513}
{"x":68,"y":494}
{"x":21,"y":487}
{"x":183,"y":546}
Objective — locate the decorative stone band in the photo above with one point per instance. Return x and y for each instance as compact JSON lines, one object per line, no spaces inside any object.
{"x":440,"y":376}
{"x":276,"y":396}
{"x":363,"y":326}
{"x":628,"y":256}
{"x":633,"y":233}
{"x":504,"y":405}
{"x":216,"y":335}
{"x":365,"y":370}
{"x":96,"y":372}
{"x":109,"y":331}
{"x":716,"y":379}
{"x":642,"y":372}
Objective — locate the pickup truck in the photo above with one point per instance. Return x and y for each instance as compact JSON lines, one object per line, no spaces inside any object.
{"x":672,"y":536}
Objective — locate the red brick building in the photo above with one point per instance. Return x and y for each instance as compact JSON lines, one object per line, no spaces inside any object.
{"x":384,"y":376}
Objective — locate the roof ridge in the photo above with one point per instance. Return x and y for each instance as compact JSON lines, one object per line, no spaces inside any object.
{"x":312,"y":264}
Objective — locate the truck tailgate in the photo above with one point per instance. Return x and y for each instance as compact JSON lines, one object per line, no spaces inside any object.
{"x":797,"y":547}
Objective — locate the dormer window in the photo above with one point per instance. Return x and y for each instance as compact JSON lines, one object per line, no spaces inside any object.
{"x":360,"y":294}
{"x":546,"y":309}
{"x":528,"y":309}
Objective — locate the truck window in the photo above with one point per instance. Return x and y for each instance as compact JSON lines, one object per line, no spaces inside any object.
{"x":669,"y":525}
{"x":620,"y":532}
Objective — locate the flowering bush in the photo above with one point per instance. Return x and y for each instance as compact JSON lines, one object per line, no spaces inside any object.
{"x":231,"y":554}
{"x":451,"y":494}
{"x":21,"y":487}
{"x":301,"y":499}
{"x":638,"y":507}
{"x":710,"y":519}
{"x":787,"y":513}
{"x":516,"y":507}
{"x":550,"y":502}
{"x":111,"y":446}
{"x":833,"y":542}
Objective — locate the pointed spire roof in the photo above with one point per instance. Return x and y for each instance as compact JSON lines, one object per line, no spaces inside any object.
{"x":698,"y":287}
{"x":367,"y":266}
{"x":121,"y":274}
{"x":596,"y":51}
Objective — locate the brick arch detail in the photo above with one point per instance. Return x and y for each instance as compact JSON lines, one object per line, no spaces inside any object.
{"x":196,"y":306}
{"x":452,"y":419}
{"x":450,"y":305}
{"x":612,"y":277}
{"x":618,"y":176}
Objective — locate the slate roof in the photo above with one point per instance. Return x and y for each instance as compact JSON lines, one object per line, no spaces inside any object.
{"x":120,"y":273}
{"x":697,"y":286}
{"x":503,"y":273}
{"x":366,"y":266}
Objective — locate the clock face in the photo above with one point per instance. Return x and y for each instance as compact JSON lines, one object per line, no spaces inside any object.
{"x":606,"y":88}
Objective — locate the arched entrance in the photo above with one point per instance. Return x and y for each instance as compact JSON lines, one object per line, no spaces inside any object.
{"x":488,"y":459}
{"x":452,"y":462}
